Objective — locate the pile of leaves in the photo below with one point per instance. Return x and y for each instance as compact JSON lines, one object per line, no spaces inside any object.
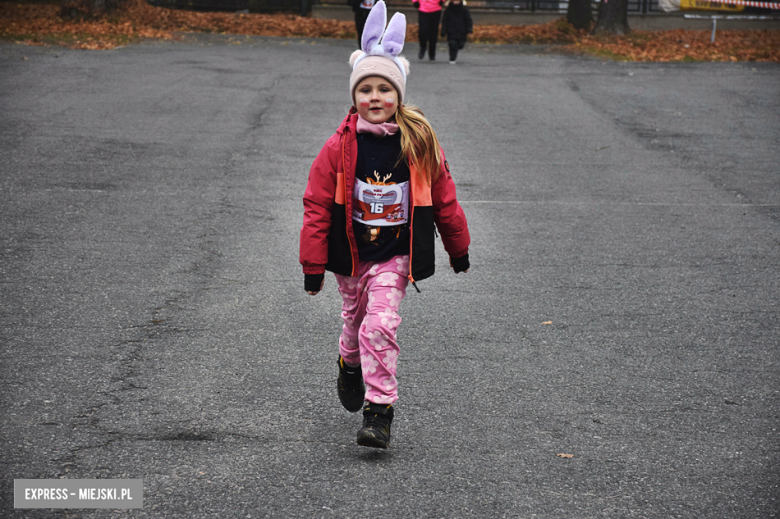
{"x":673,"y":45}
{"x":73,"y":25}
{"x":682,"y":45}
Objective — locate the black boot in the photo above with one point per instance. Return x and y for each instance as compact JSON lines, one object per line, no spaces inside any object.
{"x":376,"y":426}
{"x":352,"y":390}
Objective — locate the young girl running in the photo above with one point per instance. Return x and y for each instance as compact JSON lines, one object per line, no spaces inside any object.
{"x":375,"y":192}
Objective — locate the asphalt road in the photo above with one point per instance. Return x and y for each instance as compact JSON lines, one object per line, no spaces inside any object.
{"x":622,"y":305}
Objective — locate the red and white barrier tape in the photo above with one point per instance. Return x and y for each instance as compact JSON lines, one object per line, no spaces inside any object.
{"x":749,"y":3}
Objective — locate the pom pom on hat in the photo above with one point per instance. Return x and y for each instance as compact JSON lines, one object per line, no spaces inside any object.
{"x":381,"y":49}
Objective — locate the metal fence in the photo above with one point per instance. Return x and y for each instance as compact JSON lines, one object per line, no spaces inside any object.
{"x":303,"y":6}
{"x":634,"y":6}
{"x":255,"y":6}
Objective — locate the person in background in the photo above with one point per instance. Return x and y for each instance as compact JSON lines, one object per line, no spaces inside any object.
{"x":456,"y":25}
{"x":428,"y":17}
{"x":361,"y":8}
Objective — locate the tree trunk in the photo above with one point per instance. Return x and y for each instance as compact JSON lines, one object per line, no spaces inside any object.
{"x":578,"y":14}
{"x":613,"y":18}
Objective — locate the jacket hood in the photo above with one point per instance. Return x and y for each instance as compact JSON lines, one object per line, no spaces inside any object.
{"x":350,"y":121}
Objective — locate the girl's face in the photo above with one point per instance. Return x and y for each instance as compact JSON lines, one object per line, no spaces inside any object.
{"x":377,"y":99}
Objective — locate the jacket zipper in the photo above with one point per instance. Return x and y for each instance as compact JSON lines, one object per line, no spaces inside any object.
{"x":411,"y":229}
{"x":350,"y":235}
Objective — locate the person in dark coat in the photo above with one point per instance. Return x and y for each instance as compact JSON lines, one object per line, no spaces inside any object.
{"x":456,"y":26}
{"x":361,"y":8}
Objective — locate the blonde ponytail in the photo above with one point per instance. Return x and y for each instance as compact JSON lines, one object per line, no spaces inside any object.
{"x":419,"y":143}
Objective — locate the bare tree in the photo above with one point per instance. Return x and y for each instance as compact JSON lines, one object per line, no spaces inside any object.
{"x":613,"y":18}
{"x":578,"y":14}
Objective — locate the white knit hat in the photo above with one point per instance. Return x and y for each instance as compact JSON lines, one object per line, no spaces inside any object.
{"x":381,"y":49}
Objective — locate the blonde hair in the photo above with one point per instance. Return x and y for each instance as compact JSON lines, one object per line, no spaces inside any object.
{"x":419,"y":142}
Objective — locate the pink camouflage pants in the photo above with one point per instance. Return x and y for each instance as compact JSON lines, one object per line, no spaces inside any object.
{"x":370,"y":313}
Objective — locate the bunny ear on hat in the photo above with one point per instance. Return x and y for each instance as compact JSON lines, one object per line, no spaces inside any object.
{"x":374,"y":28}
{"x":380,"y":41}
{"x":393,"y":40}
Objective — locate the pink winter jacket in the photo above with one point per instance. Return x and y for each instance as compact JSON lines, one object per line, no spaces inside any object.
{"x":429,"y":6}
{"x":327,"y":241}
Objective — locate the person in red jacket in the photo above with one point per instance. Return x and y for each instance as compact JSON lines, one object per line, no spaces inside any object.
{"x":376,"y":192}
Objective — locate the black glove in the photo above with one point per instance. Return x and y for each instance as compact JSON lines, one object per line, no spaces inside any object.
{"x":416,"y":5}
{"x":460,"y":264}
{"x":313,"y":282}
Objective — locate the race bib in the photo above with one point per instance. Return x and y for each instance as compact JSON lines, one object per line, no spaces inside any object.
{"x":380,"y":205}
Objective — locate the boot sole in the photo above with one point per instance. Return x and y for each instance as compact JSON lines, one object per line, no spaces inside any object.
{"x":369,"y":440}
